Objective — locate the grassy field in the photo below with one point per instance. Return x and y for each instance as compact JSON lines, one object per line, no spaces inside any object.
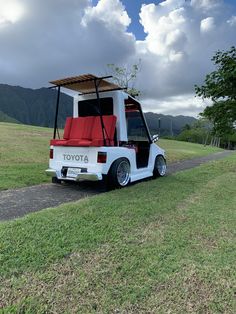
{"x":24,"y":153}
{"x":162,"y":246}
{"x":177,"y":150}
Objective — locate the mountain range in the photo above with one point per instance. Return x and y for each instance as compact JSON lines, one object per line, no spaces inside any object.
{"x":37,"y":107}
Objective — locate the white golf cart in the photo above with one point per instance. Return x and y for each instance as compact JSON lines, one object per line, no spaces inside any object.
{"x":106,"y":139}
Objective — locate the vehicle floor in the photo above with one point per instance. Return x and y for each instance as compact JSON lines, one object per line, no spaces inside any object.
{"x":19,"y":202}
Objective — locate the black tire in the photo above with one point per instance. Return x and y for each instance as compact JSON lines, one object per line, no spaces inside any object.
{"x":159,"y":169}
{"x":119,"y":174}
{"x":55,"y":180}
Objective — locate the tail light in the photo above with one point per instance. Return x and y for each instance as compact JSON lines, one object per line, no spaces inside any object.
{"x":102,"y":157}
{"x":51,"y":153}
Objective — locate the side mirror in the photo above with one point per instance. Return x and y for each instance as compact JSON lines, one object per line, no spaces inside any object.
{"x":155,"y":138}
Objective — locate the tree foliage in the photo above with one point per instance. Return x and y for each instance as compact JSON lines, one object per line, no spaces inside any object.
{"x":125,"y":77}
{"x":220,"y":87}
{"x":195,"y":133}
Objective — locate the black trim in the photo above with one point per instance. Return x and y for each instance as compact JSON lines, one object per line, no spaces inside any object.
{"x":136,"y":103}
{"x":100,"y":109}
{"x":56,"y":115}
{"x":145,"y":124}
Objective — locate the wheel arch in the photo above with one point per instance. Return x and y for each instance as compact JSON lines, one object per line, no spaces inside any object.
{"x":115,"y":160}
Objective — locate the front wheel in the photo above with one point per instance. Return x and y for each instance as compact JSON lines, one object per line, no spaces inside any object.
{"x":119,"y":174}
{"x":159,"y":169}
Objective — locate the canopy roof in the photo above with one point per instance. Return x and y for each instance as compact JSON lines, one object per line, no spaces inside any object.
{"x":85,"y":84}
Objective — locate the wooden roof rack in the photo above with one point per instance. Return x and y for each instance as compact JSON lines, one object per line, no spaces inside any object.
{"x":86,"y":84}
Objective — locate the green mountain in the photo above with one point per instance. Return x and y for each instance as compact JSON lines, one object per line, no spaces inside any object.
{"x":169,"y":125}
{"x":5,"y":118}
{"x":33,"y":106}
{"x":37,"y":107}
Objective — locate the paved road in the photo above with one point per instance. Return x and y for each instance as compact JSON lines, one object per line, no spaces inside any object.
{"x":19,"y":202}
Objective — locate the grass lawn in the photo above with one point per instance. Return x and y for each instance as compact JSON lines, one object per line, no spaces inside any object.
{"x":24,"y":154}
{"x":178,"y":150}
{"x":162,"y":246}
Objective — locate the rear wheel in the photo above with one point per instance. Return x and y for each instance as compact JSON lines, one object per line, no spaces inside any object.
{"x":159,"y":169}
{"x":55,"y":180}
{"x":119,"y":174}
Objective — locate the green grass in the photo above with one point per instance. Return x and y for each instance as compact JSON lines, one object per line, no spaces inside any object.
{"x":178,"y":150}
{"x":162,"y":246}
{"x":24,"y":154}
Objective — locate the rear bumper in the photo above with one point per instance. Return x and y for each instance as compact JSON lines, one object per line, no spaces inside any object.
{"x":80,"y":177}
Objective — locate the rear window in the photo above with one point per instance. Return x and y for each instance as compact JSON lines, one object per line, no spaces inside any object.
{"x":90,"y":107}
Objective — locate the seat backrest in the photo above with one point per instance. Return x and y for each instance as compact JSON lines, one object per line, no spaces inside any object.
{"x":77,"y":127}
{"x":109,"y":124}
{"x":88,"y":127}
{"x":81,"y":128}
{"x":67,"y":128}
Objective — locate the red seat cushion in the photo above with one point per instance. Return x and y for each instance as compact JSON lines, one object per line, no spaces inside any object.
{"x":99,"y":143}
{"x":78,"y":142}
{"x":58,"y":142}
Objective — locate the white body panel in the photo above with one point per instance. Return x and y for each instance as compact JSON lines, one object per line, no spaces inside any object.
{"x":86,"y":158}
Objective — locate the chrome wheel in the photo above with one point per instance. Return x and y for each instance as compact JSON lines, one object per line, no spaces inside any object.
{"x":123,"y":173}
{"x":159,"y":167}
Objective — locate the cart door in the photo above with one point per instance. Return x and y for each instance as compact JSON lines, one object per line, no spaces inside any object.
{"x":138,"y":136}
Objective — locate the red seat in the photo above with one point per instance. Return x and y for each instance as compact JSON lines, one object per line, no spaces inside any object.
{"x":109,"y":131}
{"x":87,"y":131}
{"x":77,"y":126}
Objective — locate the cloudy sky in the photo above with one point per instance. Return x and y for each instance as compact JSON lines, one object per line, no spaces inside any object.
{"x":42,"y":40}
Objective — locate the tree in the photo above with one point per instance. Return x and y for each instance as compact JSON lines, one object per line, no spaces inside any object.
{"x":125,"y":77}
{"x":220,"y":87}
{"x":186,"y":127}
{"x":196,"y":133}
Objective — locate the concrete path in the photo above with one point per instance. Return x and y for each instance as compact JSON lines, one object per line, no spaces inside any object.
{"x":19,"y":202}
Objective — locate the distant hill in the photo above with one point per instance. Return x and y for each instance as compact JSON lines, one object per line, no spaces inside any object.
{"x":37,"y":107}
{"x":5,"y":118}
{"x":169,"y":125}
{"x":33,"y":106}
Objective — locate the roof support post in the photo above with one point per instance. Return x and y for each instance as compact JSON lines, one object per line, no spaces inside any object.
{"x":57,"y":108}
{"x":96,"y":83}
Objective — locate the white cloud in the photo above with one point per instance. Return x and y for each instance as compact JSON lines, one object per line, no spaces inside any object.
{"x":111,"y":12}
{"x":177,"y":105}
{"x":232,"y":21}
{"x":11,"y":11}
{"x":163,"y":28}
{"x":207,"y":24}
{"x":206,"y":5}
